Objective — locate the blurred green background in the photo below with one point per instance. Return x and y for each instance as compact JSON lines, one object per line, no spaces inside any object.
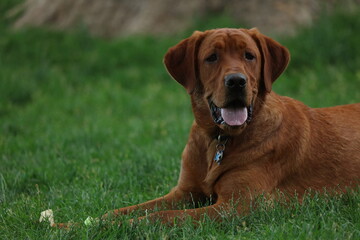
{"x":90,"y":123}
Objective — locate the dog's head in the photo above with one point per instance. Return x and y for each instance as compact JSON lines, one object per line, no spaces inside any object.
{"x":225,"y":71}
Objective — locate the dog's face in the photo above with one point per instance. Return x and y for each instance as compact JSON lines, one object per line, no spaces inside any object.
{"x":224,"y":70}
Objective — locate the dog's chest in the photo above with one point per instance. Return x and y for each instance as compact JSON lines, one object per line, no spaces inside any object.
{"x":216,"y":156}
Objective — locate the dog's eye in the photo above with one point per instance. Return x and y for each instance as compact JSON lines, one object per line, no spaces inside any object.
{"x":212,"y":58}
{"x":249,"y":56}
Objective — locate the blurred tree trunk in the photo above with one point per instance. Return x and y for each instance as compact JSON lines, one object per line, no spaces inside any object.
{"x":111,"y":18}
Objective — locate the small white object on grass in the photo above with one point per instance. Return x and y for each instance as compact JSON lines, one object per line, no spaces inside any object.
{"x":47,"y":215}
{"x":89,"y":221}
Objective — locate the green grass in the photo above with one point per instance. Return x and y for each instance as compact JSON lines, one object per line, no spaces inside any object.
{"x":88,"y":125}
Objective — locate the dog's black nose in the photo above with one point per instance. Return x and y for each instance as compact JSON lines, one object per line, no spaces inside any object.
{"x":235,"y":80}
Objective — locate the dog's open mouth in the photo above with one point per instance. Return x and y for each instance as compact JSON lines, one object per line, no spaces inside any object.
{"x":232,"y":115}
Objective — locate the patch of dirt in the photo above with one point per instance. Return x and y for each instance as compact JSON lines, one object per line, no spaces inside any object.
{"x":113,"y":18}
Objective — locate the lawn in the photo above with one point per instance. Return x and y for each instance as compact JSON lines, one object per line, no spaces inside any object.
{"x":88,"y":125}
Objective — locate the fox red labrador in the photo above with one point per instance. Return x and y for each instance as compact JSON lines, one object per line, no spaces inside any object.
{"x":246,"y":140}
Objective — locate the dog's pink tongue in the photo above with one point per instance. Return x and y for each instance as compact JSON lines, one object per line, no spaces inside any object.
{"x":234,"y":116}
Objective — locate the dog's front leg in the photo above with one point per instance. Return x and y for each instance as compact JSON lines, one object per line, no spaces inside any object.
{"x":172,"y":200}
{"x":171,"y":217}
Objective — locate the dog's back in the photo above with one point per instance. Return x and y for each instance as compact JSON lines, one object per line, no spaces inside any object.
{"x":344,"y":123}
{"x":331,"y":156}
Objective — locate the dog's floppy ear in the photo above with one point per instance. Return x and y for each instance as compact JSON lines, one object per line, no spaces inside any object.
{"x":275,"y":57}
{"x":181,"y":61}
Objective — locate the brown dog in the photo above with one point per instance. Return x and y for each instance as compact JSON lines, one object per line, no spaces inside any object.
{"x":246,"y":140}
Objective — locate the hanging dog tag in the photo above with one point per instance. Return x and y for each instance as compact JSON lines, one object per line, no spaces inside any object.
{"x":220,"y":148}
{"x":218,"y":156}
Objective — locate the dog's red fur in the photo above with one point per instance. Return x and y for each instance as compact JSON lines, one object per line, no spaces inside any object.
{"x":287,"y":146}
